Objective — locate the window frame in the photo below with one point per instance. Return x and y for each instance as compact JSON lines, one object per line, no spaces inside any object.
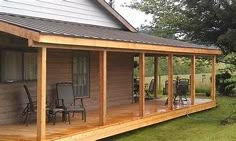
{"x":87,"y":53}
{"x":22,"y":53}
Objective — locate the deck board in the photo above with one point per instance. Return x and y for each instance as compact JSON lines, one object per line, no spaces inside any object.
{"x":124,"y":117}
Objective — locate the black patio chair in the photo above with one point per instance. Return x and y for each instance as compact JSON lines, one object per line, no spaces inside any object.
{"x":65,"y":94}
{"x":182,"y":89}
{"x":150,"y":91}
{"x":31,"y":108}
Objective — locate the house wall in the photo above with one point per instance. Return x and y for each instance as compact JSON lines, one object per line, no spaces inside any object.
{"x":59,"y":68}
{"x":80,"y":11}
{"x":119,"y":83}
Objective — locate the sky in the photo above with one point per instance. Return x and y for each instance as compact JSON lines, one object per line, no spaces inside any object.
{"x":134,"y":17}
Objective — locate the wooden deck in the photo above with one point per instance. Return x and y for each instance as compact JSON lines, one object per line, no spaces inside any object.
{"x":120,"y":119}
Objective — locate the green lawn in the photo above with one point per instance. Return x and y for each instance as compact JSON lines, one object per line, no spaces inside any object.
{"x":202,"y":126}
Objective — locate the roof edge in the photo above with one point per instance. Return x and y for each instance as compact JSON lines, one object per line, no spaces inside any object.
{"x":98,"y":43}
{"x":114,"y":13}
{"x":19,"y":31}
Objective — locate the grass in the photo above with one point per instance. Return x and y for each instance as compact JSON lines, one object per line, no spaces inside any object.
{"x":203,"y":126}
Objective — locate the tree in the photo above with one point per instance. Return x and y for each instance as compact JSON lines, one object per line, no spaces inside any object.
{"x":200,"y":21}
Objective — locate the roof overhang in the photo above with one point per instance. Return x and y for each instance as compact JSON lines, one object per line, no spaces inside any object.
{"x":37,"y":39}
{"x":66,"y":42}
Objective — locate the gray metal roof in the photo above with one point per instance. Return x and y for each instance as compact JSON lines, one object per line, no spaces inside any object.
{"x":47,"y":26}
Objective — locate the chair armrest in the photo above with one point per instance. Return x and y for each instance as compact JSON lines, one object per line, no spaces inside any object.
{"x":59,"y":103}
{"x":81,"y":101}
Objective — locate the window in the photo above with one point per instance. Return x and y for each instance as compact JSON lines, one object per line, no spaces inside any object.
{"x":81,"y":74}
{"x":18,"y":65}
{"x":30,"y":66}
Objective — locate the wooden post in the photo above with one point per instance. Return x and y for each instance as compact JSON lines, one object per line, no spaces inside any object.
{"x":159,"y":83}
{"x":41,"y":94}
{"x":213,"y":79}
{"x":156,"y":76}
{"x":102,"y":87}
{"x":192,"y":79}
{"x":141,"y":84}
{"x":170,"y":81}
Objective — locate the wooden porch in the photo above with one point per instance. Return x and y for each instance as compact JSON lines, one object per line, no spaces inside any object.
{"x":104,"y":120}
{"x":120,"y":119}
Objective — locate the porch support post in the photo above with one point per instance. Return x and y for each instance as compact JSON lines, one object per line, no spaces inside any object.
{"x":192,"y":81}
{"x":213,"y":79}
{"x":141,"y":84}
{"x":170,"y":81}
{"x":156,"y":76}
{"x":102,"y":87}
{"x":41,"y":94}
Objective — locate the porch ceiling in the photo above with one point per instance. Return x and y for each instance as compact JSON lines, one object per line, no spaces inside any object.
{"x":42,"y":32}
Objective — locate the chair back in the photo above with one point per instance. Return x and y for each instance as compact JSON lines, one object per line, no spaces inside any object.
{"x":183,"y":86}
{"x":151,"y":86}
{"x":65,"y":91}
{"x":31,"y":104}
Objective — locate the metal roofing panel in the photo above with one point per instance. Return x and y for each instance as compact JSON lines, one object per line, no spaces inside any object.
{"x":48,"y":26}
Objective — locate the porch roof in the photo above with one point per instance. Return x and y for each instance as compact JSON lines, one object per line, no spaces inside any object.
{"x":68,"y":29}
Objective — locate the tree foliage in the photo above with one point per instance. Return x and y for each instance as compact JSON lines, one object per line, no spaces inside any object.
{"x":199,"y":21}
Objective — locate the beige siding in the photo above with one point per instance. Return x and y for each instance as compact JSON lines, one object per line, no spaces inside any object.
{"x":59,"y":68}
{"x":120,"y":67}
{"x":120,"y":78}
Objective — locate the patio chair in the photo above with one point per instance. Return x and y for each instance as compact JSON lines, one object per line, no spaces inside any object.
{"x":182,"y":88}
{"x":31,"y":108}
{"x":65,"y":93}
{"x":150,"y":90}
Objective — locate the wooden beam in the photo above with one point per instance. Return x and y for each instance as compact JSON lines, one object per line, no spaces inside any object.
{"x":141,"y":84}
{"x":19,"y":31}
{"x":213,"y":78}
{"x":170,"y":81}
{"x":98,"y":43}
{"x":102,"y":87}
{"x":156,"y":76}
{"x":41,"y":94}
{"x":192,"y":80}
{"x":32,"y":43}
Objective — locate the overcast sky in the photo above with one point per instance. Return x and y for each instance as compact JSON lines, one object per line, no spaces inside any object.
{"x":134,"y":17}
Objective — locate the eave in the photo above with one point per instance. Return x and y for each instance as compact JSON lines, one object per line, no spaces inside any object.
{"x":38,"y":39}
{"x":73,"y":43}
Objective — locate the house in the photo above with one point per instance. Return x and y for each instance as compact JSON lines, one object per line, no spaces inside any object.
{"x":43,"y":42}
